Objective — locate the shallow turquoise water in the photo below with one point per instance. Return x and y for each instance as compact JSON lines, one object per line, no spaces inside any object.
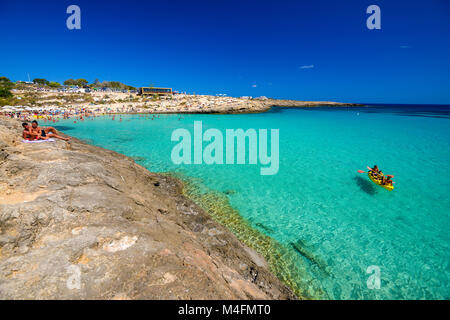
{"x":342,"y":222}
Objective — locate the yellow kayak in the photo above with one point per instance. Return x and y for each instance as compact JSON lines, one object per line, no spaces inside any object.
{"x":378,"y":182}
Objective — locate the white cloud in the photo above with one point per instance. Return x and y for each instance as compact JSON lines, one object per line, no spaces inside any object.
{"x":254,"y":86}
{"x":307,"y":66}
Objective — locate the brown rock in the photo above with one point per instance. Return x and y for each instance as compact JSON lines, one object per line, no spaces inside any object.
{"x":82,"y":222}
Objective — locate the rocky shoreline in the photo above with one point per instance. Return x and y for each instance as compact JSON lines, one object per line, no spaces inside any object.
{"x":266,"y":106}
{"x":82,"y":222}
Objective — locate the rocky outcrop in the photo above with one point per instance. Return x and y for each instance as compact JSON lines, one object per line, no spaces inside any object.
{"x":82,"y":222}
{"x":257,"y":105}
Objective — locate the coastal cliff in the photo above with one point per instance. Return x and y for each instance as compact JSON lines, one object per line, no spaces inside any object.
{"x":81,"y":222}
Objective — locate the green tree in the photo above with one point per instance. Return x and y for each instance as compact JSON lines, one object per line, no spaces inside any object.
{"x":81,"y":82}
{"x":54,"y":84}
{"x":5,"y":93}
{"x":42,"y":82}
{"x":70,"y":82}
{"x":115,"y":85}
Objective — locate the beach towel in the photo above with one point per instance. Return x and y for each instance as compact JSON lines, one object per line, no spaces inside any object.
{"x":37,"y":141}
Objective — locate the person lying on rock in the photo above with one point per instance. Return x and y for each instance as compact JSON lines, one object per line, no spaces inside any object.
{"x":26,"y":134}
{"x":44,"y":133}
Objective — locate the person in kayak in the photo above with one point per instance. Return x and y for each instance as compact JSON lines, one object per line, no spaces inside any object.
{"x":386,"y":180}
{"x":375,"y":172}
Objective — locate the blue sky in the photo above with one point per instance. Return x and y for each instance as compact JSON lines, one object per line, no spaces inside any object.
{"x":238,"y":48}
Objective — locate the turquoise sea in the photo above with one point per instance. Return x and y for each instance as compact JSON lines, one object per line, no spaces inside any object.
{"x":330,"y":222}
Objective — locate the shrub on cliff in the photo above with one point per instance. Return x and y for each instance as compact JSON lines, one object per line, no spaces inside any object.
{"x":6,"y":96}
{"x":5,"y":93}
{"x":76,"y":82}
{"x":6,"y":83}
{"x":54,"y":84}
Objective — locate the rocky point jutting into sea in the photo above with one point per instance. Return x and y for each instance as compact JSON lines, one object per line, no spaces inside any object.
{"x":81,"y":222}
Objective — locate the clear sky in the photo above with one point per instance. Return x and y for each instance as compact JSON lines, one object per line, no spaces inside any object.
{"x":308,"y":50}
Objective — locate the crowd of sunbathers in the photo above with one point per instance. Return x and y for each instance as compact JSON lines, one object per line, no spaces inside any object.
{"x":34,"y":132}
